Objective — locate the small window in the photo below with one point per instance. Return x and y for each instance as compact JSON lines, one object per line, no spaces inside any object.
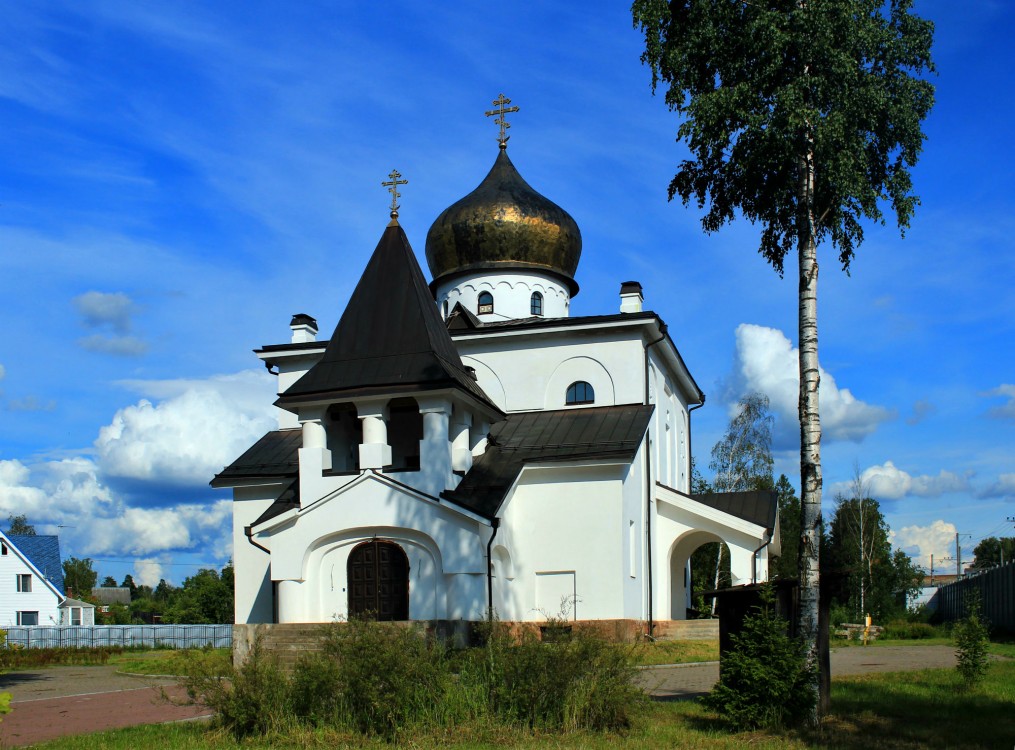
{"x":485,"y":303}
{"x":536,"y":304}
{"x":75,"y":616}
{"x":579,"y":393}
{"x":3,"y":549}
{"x":24,"y":583}
{"x":28,"y":618}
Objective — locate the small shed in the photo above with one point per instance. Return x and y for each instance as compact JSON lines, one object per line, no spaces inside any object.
{"x":76,"y":612}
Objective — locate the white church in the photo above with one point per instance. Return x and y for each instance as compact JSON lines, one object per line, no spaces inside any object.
{"x":466,"y":446}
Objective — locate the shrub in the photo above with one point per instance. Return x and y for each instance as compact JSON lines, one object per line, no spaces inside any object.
{"x":384,"y":679}
{"x":764,"y":680}
{"x":905,"y":630}
{"x":971,"y":640}
{"x":571,"y":680}
{"x":253,"y":700}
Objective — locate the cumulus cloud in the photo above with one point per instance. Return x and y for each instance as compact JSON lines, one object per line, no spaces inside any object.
{"x":112,"y":313}
{"x":938,"y":539}
{"x":767,"y":362}
{"x":148,"y":572}
{"x":1006,"y":410}
{"x":31,"y":403}
{"x":121,"y":346}
{"x":99,"y":309}
{"x":1004,"y":487}
{"x":199,"y":427}
{"x":889,"y":482}
{"x":182,"y":434}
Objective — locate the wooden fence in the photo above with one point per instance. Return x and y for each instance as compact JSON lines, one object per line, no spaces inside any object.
{"x":996,"y":589}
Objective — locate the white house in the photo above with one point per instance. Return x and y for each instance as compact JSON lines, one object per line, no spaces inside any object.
{"x":31,"y":580}
{"x":466,"y":445}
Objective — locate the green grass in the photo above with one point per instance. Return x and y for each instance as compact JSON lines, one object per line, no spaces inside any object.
{"x":674,"y":652}
{"x":892,"y":711}
{"x":182,"y":662}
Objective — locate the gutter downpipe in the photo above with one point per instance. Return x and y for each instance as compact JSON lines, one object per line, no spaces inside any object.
{"x":250,"y":538}
{"x":495,"y":523}
{"x":754,"y":558}
{"x":648,"y":491}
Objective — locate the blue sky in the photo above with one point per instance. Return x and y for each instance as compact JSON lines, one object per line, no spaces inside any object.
{"x":178,"y":179}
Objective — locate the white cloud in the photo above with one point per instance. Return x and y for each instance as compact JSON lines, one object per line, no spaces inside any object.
{"x":767,"y":362}
{"x":148,"y":572}
{"x":123,"y":346}
{"x":99,"y":309}
{"x":1003,"y":487}
{"x":1006,"y":410}
{"x":921,"y":410}
{"x":889,"y":482}
{"x":201,"y":426}
{"x":938,"y":539}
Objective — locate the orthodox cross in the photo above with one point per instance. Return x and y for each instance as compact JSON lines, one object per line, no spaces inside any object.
{"x":392,"y":185}
{"x":500,"y":102}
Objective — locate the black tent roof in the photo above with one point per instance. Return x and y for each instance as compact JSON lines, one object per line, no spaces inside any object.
{"x":391,"y":338}
{"x":755,"y":506}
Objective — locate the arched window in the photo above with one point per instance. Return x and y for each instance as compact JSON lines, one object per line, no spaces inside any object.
{"x":445,"y":309}
{"x":579,"y":392}
{"x":485,"y":303}
{"x":536,"y":304}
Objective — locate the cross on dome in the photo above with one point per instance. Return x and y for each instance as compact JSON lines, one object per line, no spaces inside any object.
{"x":392,"y":184}
{"x":500,"y":102}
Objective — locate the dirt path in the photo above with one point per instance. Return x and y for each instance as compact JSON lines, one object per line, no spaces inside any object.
{"x":51,"y":703}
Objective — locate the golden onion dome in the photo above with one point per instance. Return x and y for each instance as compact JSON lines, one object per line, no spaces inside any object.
{"x":504,"y":224}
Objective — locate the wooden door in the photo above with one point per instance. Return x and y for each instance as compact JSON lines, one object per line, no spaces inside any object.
{"x":378,"y":580}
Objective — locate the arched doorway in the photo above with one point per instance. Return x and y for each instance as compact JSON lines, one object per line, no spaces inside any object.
{"x":378,"y":580}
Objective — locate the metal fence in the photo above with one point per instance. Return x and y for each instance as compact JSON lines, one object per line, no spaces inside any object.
{"x":175,"y":636}
{"x":996,"y":589}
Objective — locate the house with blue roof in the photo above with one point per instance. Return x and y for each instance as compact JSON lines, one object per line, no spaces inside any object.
{"x":31,"y":580}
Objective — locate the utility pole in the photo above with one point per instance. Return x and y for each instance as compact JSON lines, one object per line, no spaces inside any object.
{"x":931,"y":568}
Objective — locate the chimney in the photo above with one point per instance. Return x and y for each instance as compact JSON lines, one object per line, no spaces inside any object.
{"x":630,"y":297}
{"x":304,"y":328}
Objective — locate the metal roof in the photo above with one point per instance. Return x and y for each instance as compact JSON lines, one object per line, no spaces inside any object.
{"x":391,"y":338}
{"x":44,"y":553}
{"x":544,"y":436}
{"x":275,"y":455}
{"x":757,"y":506}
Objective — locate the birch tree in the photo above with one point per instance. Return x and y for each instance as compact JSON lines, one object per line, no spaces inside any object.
{"x":803,"y":116}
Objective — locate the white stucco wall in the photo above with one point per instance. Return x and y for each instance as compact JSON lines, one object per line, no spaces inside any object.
{"x":565,"y":522}
{"x":253,"y":602}
{"x":445,"y":547}
{"x":512,"y":294}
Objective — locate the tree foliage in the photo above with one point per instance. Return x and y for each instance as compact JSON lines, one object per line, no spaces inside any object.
{"x":19,"y":526}
{"x":760,"y":82}
{"x":742,"y":458}
{"x":785,"y":565}
{"x":866,"y":576}
{"x":971,"y":640}
{"x":79,"y":576}
{"x":992,"y":551}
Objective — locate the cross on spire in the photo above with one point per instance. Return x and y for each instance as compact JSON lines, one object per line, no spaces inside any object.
{"x":500,"y":102}
{"x":392,"y":184}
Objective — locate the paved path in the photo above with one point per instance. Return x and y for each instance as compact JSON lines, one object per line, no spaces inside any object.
{"x":690,"y":680}
{"x":59,"y":701}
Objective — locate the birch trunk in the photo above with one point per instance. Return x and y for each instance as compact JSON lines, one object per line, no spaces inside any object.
{"x":810,"y":423}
